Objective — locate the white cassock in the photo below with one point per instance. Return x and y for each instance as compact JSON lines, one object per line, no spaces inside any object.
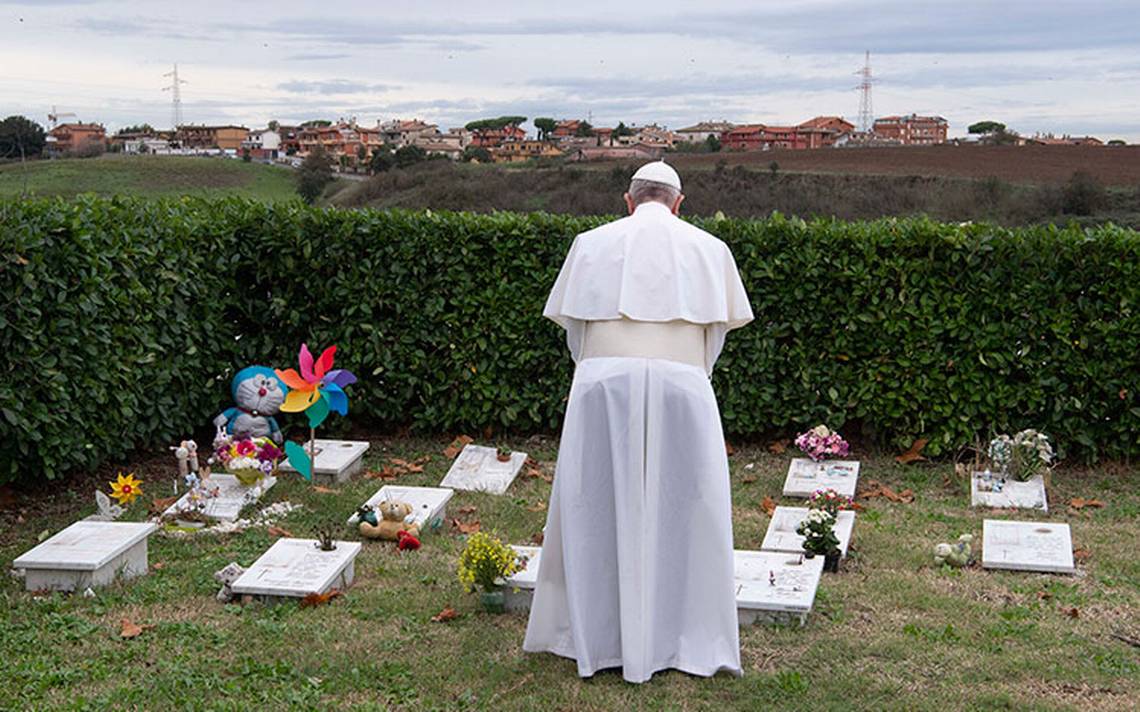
{"x":637,"y":567}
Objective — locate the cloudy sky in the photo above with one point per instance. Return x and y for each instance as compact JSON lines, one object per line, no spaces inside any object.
{"x":1061,"y":67}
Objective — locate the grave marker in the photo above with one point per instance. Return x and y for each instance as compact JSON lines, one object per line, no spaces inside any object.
{"x":232,"y":497}
{"x":1013,"y":495}
{"x":1027,"y":546}
{"x":295,"y":568}
{"x":87,"y":554}
{"x":805,"y":477}
{"x":429,"y":504}
{"x":336,"y":461}
{"x":478,"y":469}
{"x":781,"y":534}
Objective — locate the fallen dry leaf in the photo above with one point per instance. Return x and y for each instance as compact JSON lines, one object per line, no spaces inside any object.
{"x":538,"y":538}
{"x":538,"y":506}
{"x":278,"y":531}
{"x":1071,"y":612}
{"x":768,"y":505}
{"x":132,"y":630}
{"x":874,"y":488}
{"x":912,"y":455}
{"x":403,"y":466}
{"x":325,"y":490}
{"x":469,"y":509}
{"x":466,"y":527}
{"x":1044,"y":595}
{"x":1081,"y":503}
{"x":747,"y":480}
{"x":447,"y":614}
{"x":1081,"y":555}
{"x":729,"y":449}
{"x":452,"y":451}
{"x":320,"y":599}
{"x":160,"y":505}
{"x":158,"y":566}
{"x":777,"y":447}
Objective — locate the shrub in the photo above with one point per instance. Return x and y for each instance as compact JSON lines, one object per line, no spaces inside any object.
{"x":123,"y":321}
{"x":1083,"y":195}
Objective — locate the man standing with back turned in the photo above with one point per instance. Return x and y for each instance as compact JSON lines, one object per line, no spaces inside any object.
{"x":636,"y":567}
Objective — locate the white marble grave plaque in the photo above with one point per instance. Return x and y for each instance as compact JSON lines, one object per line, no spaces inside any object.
{"x":790,"y":597}
{"x":294,"y":568}
{"x":774,"y":582}
{"x":478,"y":469}
{"x":336,"y":461}
{"x":1020,"y":495}
{"x":1027,"y":546}
{"x":429,"y":504}
{"x":781,"y":534}
{"x":232,"y":497}
{"x":87,"y":553}
{"x":520,"y":586}
{"x":806,"y":476}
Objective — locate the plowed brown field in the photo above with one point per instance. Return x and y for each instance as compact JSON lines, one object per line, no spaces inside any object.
{"x":1111,"y":165}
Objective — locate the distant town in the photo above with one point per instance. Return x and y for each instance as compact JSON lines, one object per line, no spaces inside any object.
{"x":354,"y":146}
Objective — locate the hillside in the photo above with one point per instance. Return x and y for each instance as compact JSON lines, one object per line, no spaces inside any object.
{"x":147,"y":176}
{"x":751,"y":188}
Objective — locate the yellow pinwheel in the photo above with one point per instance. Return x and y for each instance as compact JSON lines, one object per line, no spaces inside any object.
{"x":126,"y":489}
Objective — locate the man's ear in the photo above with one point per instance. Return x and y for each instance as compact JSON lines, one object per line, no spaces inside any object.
{"x":629,"y":203}
{"x":676,"y":207}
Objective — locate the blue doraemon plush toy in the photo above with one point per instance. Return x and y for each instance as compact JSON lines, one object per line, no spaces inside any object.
{"x":258,"y":393}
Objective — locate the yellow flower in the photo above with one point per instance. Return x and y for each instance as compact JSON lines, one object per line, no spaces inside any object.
{"x":126,"y":489}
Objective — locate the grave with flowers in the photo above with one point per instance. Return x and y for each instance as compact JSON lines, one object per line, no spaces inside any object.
{"x":1015,"y":477}
{"x":817,"y":471}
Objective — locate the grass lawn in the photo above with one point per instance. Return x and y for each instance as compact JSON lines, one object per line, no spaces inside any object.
{"x":891,"y":631}
{"x":148,"y":176}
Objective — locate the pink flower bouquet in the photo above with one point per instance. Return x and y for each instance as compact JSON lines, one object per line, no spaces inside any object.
{"x":821,"y":442}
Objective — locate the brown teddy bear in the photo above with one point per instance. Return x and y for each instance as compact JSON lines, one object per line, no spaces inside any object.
{"x":391,"y":524}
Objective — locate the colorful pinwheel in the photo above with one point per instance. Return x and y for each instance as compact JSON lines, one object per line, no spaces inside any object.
{"x":316,"y":391}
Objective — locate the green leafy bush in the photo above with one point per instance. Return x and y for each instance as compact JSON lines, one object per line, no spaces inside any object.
{"x":123,"y":321}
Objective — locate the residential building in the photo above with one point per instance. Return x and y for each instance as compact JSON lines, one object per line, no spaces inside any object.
{"x":604,"y":153}
{"x":1066,"y":140}
{"x":819,"y":132}
{"x":290,"y":139}
{"x":493,"y":138}
{"x":699,"y":133}
{"x":76,"y":138}
{"x":518,"y":151}
{"x":450,"y":144}
{"x":227,"y":138}
{"x":264,"y":144}
{"x":399,"y":133}
{"x":912,"y":130}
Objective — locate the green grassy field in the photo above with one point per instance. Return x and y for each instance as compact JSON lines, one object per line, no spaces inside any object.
{"x":148,"y":176}
{"x":890,"y":632}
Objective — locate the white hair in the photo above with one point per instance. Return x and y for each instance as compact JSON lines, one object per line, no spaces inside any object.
{"x":642,"y":191}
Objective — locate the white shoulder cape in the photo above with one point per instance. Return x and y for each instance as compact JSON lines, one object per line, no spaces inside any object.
{"x":650,"y":266}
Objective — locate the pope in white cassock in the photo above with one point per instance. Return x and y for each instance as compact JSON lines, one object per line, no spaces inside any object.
{"x":636,"y":568}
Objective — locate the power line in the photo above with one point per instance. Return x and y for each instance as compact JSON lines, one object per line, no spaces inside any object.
{"x":866,"y":117}
{"x":176,"y":95}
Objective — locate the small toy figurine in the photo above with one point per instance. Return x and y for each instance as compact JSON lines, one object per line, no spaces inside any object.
{"x":957,"y":554}
{"x":771,"y":578}
{"x":258,"y":394}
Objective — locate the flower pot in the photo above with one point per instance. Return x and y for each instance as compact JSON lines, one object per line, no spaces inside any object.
{"x":831,"y":562}
{"x":493,"y":601}
{"x":504,"y":458}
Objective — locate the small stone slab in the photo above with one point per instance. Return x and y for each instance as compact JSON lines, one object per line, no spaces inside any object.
{"x":1014,"y":495}
{"x":805,"y":477}
{"x":789,"y":598}
{"x":336,"y":461}
{"x":520,"y":587}
{"x":87,"y":554}
{"x":1027,"y":546}
{"x":478,"y":469}
{"x":781,"y":534}
{"x":295,"y":568}
{"x":232,"y":497}
{"x":429,"y":504}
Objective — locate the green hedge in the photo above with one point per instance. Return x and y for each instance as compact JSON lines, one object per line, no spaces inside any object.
{"x":123,"y":320}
